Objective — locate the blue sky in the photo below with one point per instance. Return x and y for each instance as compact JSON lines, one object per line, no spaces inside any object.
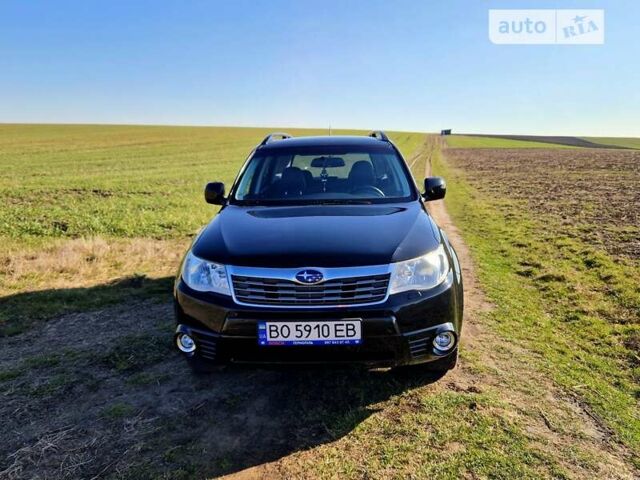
{"x":400,"y":65}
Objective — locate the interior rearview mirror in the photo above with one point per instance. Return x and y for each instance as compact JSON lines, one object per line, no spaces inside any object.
{"x":327,"y":162}
{"x":214,"y":193}
{"x":434,"y":188}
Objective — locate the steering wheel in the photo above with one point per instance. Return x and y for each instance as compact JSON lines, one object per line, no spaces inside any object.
{"x":368,"y":189}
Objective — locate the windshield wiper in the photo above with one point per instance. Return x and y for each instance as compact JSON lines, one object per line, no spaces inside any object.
{"x":253,"y":203}
{"x":301,"y":202}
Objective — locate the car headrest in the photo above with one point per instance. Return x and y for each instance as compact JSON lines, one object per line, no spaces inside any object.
{"x":308,"y":177}
{"x":361,"y":174}
{"x":292,"y":181}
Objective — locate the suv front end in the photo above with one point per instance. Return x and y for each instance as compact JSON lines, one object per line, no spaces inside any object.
{"x":278,"y":294}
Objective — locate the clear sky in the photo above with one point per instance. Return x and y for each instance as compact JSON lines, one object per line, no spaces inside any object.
{"x":419,"y":65}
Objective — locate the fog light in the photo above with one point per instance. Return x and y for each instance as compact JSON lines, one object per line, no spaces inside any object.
{"x":444,"y":341}
{"x":185,"y":343}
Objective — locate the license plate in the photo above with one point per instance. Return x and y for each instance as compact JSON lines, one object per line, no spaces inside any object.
{"x":341,"y":332}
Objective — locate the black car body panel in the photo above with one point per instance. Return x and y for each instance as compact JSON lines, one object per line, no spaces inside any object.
{"x":317,"y":235}
{"x":396,"y":330}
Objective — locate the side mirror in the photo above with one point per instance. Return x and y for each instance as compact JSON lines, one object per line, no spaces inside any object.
{"x":214,"y":193}
{"x":434,"y":188}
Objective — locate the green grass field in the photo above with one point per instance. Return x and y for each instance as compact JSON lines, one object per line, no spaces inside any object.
{"x":84,"y":205}
{"x":627,"y":142}
{"x":118,"y":181}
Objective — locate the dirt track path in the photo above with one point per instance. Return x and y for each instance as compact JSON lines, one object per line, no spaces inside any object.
{"x":103,"y":395}
{"x":474,"y":299}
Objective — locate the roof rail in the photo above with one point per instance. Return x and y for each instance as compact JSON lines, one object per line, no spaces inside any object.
{"x":380,"y":135}
{"x":271,"y":136}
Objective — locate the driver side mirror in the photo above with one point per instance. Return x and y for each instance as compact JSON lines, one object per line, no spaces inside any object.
{"x":214,"y":193}
{"x":434,"y":188}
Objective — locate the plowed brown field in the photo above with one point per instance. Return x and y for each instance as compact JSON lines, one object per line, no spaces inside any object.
{"x":594,"y":193}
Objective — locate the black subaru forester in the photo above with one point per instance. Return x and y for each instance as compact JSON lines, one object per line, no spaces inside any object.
{"x":323,"y":252}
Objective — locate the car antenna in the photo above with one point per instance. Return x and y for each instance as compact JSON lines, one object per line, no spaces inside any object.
{"x":329,"y":129}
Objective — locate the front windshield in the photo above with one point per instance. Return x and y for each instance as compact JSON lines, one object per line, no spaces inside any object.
{"x":329,"y":174}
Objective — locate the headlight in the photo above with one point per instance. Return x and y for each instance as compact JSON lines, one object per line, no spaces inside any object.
{"x":420,"y":273}
{"x":205,"y":276}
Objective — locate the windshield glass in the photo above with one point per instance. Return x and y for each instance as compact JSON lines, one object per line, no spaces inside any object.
{"x":326,"y":174}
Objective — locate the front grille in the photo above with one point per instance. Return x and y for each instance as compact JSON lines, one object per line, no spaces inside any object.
{"x":341,"y":291}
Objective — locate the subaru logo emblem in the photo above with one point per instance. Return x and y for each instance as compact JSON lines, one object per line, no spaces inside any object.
{"x":309,"y":276}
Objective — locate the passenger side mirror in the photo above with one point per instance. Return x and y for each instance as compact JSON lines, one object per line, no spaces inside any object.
{"x":434,"y":188}
{"x":214,"y":193}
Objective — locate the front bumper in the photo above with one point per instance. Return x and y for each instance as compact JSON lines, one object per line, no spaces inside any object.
{"x":399,"y":331}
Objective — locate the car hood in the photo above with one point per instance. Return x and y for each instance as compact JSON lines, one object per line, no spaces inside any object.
{"x":317,"y":235}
